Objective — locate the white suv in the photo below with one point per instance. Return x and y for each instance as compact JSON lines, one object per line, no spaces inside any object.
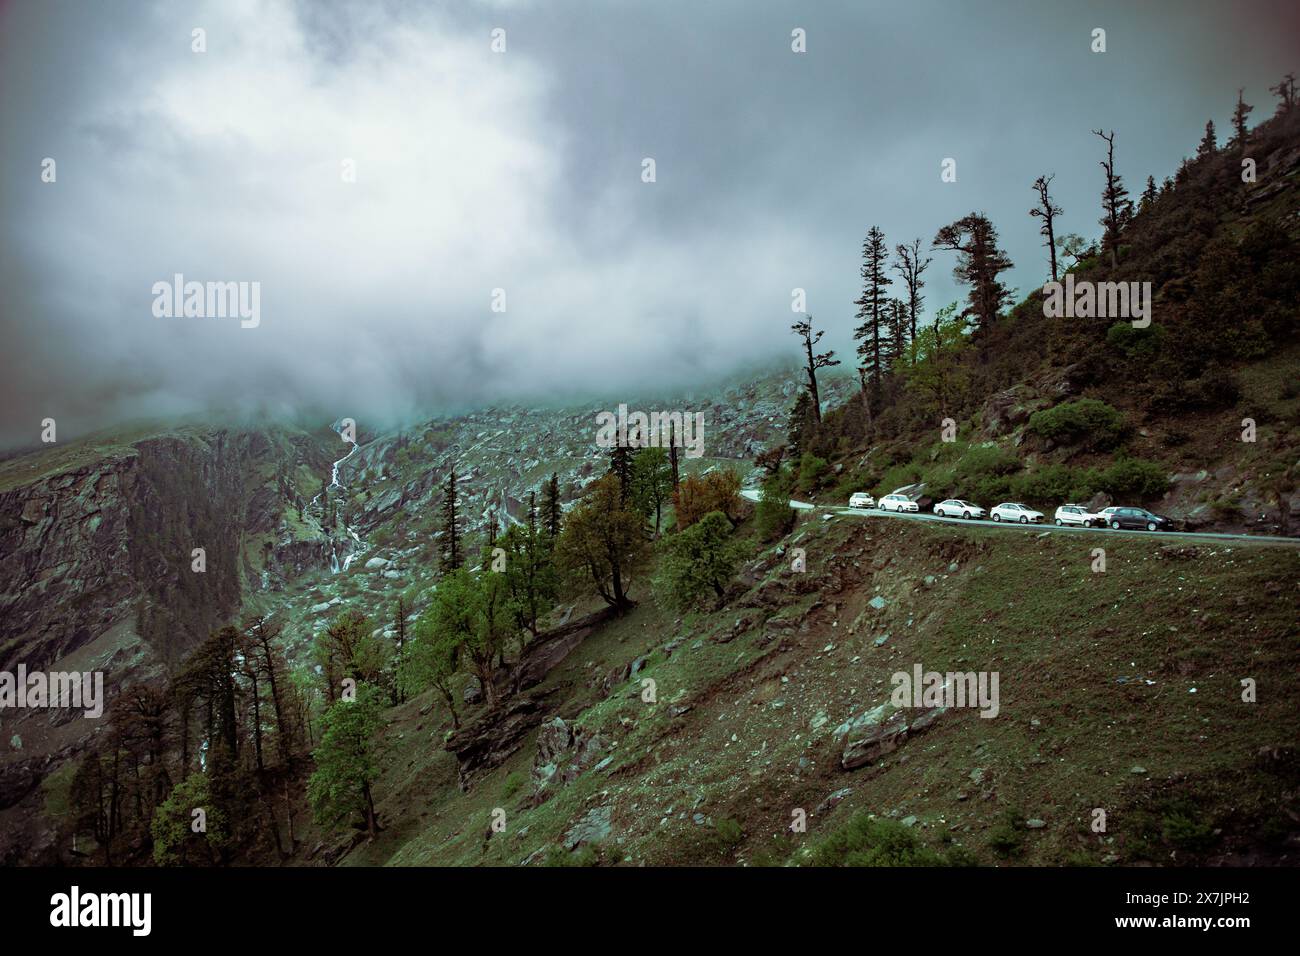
{"x":860,"y":499}
{"x":1011,"y":511}
{"x":956,"y":508}
{"x":898,"y":503}
{"x":1077,"y":515}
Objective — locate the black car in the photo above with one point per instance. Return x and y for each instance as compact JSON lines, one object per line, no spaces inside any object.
{"x":1117,"y":518}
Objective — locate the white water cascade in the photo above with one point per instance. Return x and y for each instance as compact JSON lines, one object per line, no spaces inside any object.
{"x":355,"y":545}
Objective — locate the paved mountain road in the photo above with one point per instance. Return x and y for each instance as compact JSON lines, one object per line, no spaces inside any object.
{"x":752,"y":494}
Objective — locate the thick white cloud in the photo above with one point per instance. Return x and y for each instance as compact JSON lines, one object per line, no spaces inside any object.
{"x":521,"y":171}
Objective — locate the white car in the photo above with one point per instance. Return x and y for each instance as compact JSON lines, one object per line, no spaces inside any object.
{"x":956,"y":508}
{"x":860,"y":499}
{"x":1011,"y":511}
{"x":1077,"y":515}
{"x":897,"y":503}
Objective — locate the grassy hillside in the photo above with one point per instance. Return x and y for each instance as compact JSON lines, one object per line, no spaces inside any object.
{"x":1119,"y":690}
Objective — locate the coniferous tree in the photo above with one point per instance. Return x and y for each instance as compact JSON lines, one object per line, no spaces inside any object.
{"x":798,"y":424}
{"x":1047,"y":211}
{"x":813,"y":361}
{"x":530,"y":578}
{"x":1285,"y":92}
{"x":1114,"y":199}
{"x":979,"y":264}
{"x":896,"y":339}
{"x":872,"y":335}
{"x":452,"y":558}
{"x":262,"y":651}
{"x":672,"y":453}
{"x":552,"y":512}
{"x":911,"y":266}
{"x":621,"y":458}
{"x":1209,"y":142}
{"x":1240,"y":133}
{"x":1150,"y":194}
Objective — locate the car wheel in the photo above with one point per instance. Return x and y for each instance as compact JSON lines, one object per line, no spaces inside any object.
{"x":1024,"y":520}
{"x":966,"y":514}
{"x":996,"y":516}
{"x":1151,"y":526}
{"x":1114,"y":526}
{"x":1058,"y":522}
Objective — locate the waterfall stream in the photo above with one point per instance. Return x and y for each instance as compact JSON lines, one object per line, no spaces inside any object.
{"x":354,"y":545}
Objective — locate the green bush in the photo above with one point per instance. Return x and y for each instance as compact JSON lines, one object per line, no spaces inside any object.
{"x":1007,"y":839}
{"x":897,"y":477}
{"x":982,"y":474}
{"x":811,"y":471}
{"x":1051,"y":484}
{"x":558,"y":856}
{"x":1136,"y":343}
{"x":986,"y":460}
{"x":698,"y":561}
{"x":1182,"y":830}
{"x":727,"y":834}
{"x":514,"y":783}
{"x":774,"y":517}
{"x":1133,"y":479}
{"x":868,"y":841}
{"x":1216,"y":388}
{"x":1087,"y":421}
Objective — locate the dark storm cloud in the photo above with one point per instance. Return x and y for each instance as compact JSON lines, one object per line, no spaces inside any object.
{"x":521,"y":171}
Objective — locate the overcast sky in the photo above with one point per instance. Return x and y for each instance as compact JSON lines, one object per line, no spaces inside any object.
{"x":522,"y":170}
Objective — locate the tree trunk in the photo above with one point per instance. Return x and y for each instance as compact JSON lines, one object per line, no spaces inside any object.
{"x":372,"y":820}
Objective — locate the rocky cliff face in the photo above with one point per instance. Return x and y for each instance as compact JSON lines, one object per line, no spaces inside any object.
{"x":100,"y":544}
{"x":97,"y":567}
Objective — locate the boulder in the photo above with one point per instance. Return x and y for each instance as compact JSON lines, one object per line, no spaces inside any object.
{"x":1008,"y":409}
{"x":489,"y":741}
{"x":473,"y":691}
{"x":832,"y":801}
{"x":595,"y":827}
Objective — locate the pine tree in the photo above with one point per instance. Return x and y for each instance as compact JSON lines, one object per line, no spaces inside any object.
{"x":798,"y":424}
{"x":911,"y":266}
{"x":1047,"y":211}
{"x":530,"y":578}
{"x":872,"y":335}
{"x":672,"y":453}
{"x":1285,"y":92}
{"x":1149,"y":195}
{"x":896,"y":327}
{"x":1209,"y":144}
{"x":552,"y":513}
{"x":451,"y":555}
{"x":620,"y":466}
{"x":1114,"y":199}
{"x":1240,"y":133}
{"x":979,"y":264}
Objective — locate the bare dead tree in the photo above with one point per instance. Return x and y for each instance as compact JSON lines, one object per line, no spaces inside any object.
{"x":1047,"y":211}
